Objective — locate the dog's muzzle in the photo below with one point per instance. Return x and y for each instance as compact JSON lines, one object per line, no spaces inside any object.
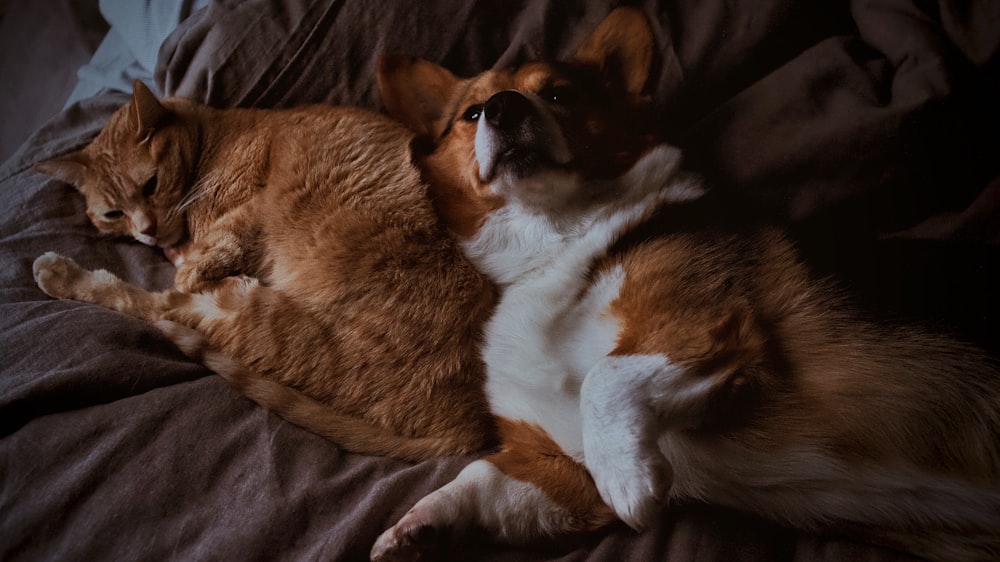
{"x":507,"y":110}
{"x":518,"y":135}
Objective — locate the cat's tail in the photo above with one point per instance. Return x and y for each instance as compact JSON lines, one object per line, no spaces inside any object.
{"x":349,"y":432}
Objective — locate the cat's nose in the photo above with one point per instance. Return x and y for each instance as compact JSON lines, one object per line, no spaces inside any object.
{"x":146,"y":225}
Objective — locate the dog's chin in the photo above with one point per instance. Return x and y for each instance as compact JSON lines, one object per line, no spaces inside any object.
{"x":536,"y":184}
{"x":518,"y":163}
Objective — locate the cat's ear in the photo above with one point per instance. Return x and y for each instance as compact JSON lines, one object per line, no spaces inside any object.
{"x":622,"y":47}
{"x":415,"y":91}
{"x":146,"y":113}
{"x":70,"y":168}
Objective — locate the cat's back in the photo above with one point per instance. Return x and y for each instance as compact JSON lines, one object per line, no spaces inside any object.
{"x":336,"y":156}
{"x":352,"y":239}
{"x":347,"y":208}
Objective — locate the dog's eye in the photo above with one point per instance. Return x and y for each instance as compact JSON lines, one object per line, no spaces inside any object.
{"x":472,"y":113}
{"x":150,"y":187}
{"x":114,"y":215}
{"x":559,"y":95}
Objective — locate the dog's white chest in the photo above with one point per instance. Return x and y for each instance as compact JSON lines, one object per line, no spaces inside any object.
{"x":546,"y":335}
{"x":554,"y":323}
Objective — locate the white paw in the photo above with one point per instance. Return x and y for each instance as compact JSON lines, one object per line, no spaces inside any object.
{"x":55,"y":274}
{"x":413,"y":538}
{"x":630,"y":476}
{"x":173,"y":255}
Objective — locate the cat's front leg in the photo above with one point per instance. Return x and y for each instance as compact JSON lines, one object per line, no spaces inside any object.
{"x":229,"y":247}
{"x":177,"y":254}
{"x":63,"y":278}
{"x":204,"y":266}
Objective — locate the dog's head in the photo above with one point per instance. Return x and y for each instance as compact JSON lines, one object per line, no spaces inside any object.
{"x":539,"y":134}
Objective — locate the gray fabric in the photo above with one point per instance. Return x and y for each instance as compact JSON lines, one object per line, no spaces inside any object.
{"x":42,"y":44}
{"x":132,"y":45}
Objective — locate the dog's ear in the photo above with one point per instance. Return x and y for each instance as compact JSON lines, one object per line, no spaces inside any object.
{"x":622,"y":47}
{"x":415,"y":91}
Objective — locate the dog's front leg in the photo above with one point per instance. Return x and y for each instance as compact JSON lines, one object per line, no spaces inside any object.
{"x":480,"y":496}
{"x":530,"y":489}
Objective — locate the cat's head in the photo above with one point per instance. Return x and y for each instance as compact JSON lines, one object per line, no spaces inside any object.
{"x":135,"y":174}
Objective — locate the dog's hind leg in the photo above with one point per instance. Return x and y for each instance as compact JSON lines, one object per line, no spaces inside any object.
{"x":530,"y":489}
{"x":626,"y":402}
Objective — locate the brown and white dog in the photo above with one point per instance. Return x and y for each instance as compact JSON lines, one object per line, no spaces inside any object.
{"x":668,"y":359}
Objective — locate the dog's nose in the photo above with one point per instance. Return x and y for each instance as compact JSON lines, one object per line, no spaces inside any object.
{"x":506,"y":110}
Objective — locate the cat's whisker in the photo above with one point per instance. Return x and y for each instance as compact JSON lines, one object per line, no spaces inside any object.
{"x":190,"y":198}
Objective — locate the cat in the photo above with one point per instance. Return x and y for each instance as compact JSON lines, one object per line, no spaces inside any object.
{"x":306,"y":246}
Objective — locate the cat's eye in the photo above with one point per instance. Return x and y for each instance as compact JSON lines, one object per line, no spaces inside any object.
{"x":559,"y":95}
{"x":472,"y":113}
{"x":114,"y":215}
{"x":150,"y":187}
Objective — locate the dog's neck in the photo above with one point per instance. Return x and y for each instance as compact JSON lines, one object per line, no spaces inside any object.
{"x":518,"y":240}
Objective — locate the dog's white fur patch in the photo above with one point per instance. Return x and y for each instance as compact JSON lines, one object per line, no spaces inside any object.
{"x":552,"y":324}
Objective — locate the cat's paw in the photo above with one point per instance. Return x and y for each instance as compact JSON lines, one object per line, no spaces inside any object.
{"x":197,"y":274}
{"x":410,"y":540}
{"x":174,"y":255}
{"x":630,"y":475}
{"x":189,"y":278}
{"x":59,"y":276}
{"x":202,"y":266}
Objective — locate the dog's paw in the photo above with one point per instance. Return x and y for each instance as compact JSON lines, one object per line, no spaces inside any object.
{"x":59,"y":276}
{"x":631,"y":478}
{"x":410,"y":540}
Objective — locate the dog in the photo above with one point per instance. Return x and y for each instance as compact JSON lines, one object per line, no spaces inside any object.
{"x":642,"y":354}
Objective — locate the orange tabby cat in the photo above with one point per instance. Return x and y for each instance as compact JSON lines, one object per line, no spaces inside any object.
{"x":351,"y":298}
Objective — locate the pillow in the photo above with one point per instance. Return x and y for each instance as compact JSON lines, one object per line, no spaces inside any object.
{"x":272,"y":54}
